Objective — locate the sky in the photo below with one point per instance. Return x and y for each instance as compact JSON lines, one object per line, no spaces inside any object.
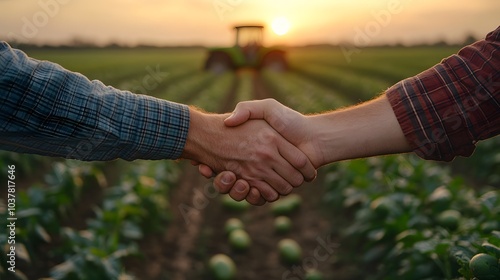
{"x":209,"y":22}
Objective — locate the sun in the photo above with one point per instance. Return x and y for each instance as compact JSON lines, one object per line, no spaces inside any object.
{"x":280,"y":25}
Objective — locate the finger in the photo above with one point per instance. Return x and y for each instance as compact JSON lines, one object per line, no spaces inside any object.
{"x":275,"y":183}
{"x":285,"y":176}
{"x":224,"y":181}
{"x":266,"y":191}
{"x":247,"y":110}
{"x":255,"y":198}
{"x":314,"y":178}
{"x":206,"y":171}
{"x":298,"y":160}
{"x":240,"y":190}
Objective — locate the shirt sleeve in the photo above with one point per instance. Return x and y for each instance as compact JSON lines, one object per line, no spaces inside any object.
{"x":48,"y":110}
{"x":445,"y":110}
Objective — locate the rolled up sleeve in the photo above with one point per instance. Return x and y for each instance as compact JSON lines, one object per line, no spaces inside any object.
{"x":445,"y":110}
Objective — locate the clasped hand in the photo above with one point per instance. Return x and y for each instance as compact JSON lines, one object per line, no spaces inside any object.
{"x":261,"y":159}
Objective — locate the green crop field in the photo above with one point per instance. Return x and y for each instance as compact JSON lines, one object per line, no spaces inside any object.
{"x":392,"y":217}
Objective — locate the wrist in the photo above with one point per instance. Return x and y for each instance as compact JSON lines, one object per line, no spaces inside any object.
{"x":201,"y":134}
{"x":365,"y":130}
{"x":329,"y":140}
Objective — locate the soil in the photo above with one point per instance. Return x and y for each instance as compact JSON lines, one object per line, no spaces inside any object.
{"x":196,"y":231}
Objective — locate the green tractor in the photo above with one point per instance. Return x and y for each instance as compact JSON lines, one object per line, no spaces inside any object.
{"x":248,"y":52}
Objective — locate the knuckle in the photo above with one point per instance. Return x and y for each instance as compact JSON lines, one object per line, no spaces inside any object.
{"x":301,"y":161}
{"x":267,"y":136}
{"x":264,"y":155}
{"x":271,"y":101}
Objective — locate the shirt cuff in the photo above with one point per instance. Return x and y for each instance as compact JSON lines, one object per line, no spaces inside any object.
{"x":171,"y":133}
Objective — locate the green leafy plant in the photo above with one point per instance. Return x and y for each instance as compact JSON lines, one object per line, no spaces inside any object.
{"x":413,"y":219}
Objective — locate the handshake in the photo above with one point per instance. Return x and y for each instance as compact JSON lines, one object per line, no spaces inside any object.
{"x":264,"y":149}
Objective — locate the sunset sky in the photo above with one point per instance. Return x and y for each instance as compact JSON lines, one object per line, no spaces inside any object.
{"x":208,"y":22}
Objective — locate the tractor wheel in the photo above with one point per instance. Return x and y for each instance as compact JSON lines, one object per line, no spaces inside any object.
{"x":218,"y":63}
{"x":275,"y":61}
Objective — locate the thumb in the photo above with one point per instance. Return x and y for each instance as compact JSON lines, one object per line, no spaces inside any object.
{"x":245,"y":111}
{"x":239,"y":116}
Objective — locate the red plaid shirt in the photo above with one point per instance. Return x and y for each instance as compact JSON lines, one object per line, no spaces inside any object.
{"x":446,"y":109}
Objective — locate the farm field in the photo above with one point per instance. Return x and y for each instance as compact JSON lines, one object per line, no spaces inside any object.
{"x":393,"y":217}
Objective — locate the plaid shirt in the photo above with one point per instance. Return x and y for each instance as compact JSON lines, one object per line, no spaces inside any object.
{"x":47,"y":110}
{"x":446,"y":109}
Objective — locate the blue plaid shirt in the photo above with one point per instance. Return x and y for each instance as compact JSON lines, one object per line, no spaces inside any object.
{"x":48,"y":110}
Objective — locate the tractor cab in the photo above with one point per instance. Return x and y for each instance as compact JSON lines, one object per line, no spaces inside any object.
{"x":248,"y":52}
{"x":249,"y":40}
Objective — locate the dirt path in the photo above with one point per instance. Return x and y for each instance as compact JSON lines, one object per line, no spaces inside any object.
{"x":169,"y":256}
{"x":260,"y":90}
{"x":196,"y":232}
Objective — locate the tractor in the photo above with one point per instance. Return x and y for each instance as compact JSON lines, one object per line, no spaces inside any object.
{"x":247,"y":52}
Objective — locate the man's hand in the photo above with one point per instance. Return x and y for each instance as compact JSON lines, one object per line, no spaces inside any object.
{"x":253,"y":152}
{"x":292,"y":125}
{"x":289,"y":123}
{"x":363,"y":130}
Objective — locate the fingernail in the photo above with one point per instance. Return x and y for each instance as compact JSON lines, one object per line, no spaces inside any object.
{"x":240,"y":188}
{"x":226,"y":179}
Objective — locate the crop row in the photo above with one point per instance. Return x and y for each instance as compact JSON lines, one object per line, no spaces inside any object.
{"x":352,"y":85}
{"x":211,"y":97}
{"x":113,"y":66}
{"x":301,"y":93}
{"x":386,"y":64}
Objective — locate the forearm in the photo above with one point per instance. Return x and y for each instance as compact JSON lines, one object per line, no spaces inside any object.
{"x":51,"y":111}
{"x":365,"y":130}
